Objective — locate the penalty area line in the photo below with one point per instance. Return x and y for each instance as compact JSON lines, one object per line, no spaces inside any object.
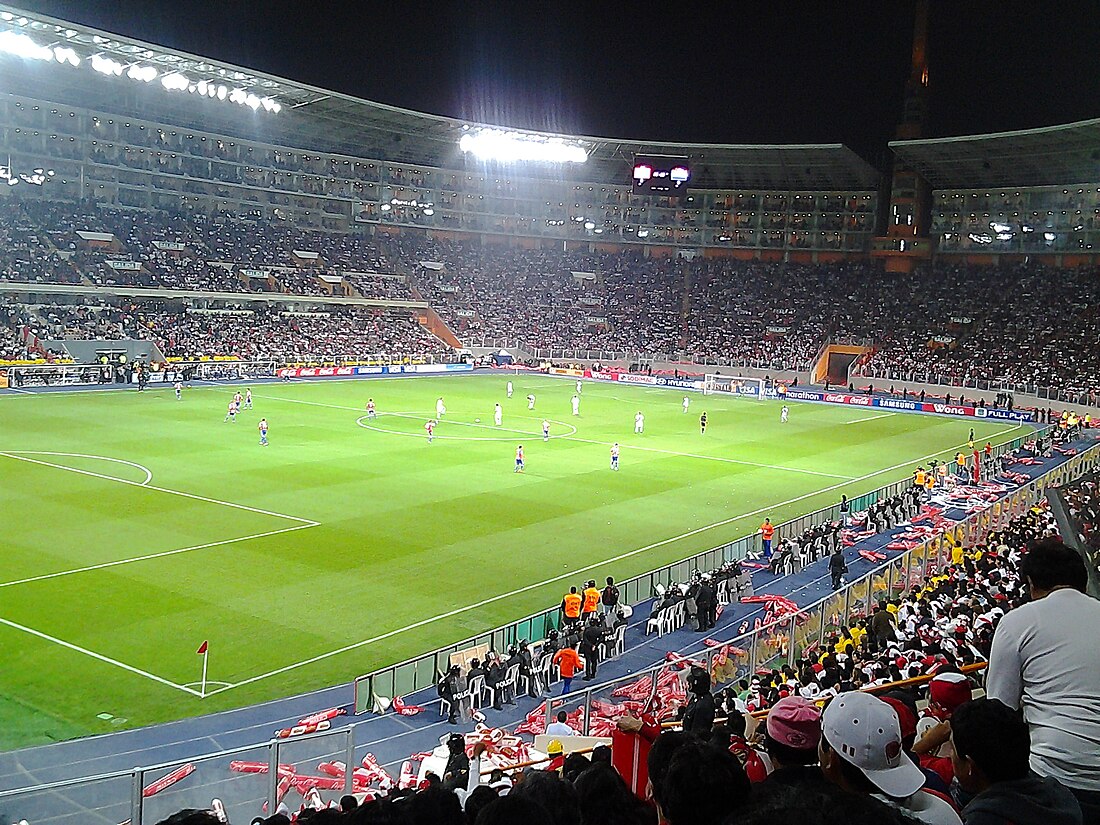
{"x":572,"y":574}
{"x":148,"y":556}
{"x":98,"y":656}
{"x":146,"y":486}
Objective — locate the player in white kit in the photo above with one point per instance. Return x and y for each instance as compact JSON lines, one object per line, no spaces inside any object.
{"x":179,"y":391}
{"x":440,"y":410}
{"x":578,"y":386}
{"x":686,"y":404}
{"x":509,"y":389}
{"x":248,"y":399}
{"x":530,"y":402}
{"x":783,"y":415}
{"x":639,"y":422}
{"x":576,"y":405}
{"x":498,"y":415}
{"x":615,"y":456}
{"x":545,"y":430}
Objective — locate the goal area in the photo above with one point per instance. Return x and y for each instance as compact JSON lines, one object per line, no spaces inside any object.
{"x":717,"y":383}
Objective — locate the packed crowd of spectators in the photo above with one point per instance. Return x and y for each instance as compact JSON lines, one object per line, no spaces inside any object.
{"x":271,"y":333}
{"x":1013,"y":325}
{"x":1021,"y":324}
{"x":40,"y":242}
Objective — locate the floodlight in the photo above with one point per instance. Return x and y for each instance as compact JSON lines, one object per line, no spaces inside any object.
{"x":105,"y":65}
{"x":222,"y":92}
{"x":22,"y":46}
{"x":174,"y":82}
{"x":1049,"y":236}
{"x":145,"y":74}
{"x":63,"y":54}
{"x":513,"y":147}
{"x":589,"y":225}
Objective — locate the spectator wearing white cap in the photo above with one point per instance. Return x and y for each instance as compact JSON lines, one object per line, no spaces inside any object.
{"x":861,"y":751}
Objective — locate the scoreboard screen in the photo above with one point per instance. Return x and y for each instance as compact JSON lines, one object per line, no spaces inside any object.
{"x":661,"y":175}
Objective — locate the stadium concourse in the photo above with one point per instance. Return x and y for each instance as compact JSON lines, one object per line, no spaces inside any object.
{"x":865,"y":540}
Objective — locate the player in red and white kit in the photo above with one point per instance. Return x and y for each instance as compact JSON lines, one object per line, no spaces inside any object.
{"x":231,"y":413}
{"x":430,"y":429}
{"x":519,"y":459}
{"x":370,"y":408}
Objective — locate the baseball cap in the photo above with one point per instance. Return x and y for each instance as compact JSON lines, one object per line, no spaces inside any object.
{"x":907,"y":720}
{"x":795,"y":723}
{"x":865,"y":732}
{"x":949,"y":690}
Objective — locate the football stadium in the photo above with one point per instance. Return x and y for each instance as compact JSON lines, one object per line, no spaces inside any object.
{"x":364,"y":464}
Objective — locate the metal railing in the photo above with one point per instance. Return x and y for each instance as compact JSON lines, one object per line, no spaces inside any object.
{"x":116,"y":796}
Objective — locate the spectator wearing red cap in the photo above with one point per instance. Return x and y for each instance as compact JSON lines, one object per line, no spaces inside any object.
{"x":946,"y":692}
{"x":791,"y":734}
{"x":861,"y":751}
{"x":906,"y":710}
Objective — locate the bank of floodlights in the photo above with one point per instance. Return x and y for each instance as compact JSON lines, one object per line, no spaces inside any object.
{"x":18,"y":44}
{"x":514,"y":147}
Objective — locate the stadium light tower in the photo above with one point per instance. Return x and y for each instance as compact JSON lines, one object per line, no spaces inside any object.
{"x":906,"y":242}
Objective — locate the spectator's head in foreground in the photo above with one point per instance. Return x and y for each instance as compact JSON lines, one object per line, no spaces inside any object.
{"x":1049,"y":565}
{"x":861,"y":748}
{"x":792,"y":731}
{"x":991,"y":744}
{"x":699,"y":784}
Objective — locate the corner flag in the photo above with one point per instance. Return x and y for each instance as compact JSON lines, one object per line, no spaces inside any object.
{"x":203,"y":651}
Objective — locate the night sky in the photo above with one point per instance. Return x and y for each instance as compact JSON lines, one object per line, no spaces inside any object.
{"x":722,"y":72}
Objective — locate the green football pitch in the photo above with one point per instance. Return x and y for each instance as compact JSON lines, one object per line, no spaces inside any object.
{"x":136,"y":526}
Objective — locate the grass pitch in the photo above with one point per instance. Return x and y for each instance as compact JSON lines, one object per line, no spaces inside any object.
{"x":135,"y":526}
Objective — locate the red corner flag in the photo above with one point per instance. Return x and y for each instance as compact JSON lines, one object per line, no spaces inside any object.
{"x":202,"y":648}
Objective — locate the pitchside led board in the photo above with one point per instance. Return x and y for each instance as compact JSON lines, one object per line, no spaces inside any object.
{"x":661,"y":175}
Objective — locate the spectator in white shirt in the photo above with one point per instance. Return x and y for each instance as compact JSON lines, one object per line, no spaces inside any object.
{"x":560,"y":727}
{"x":1045,"y":661}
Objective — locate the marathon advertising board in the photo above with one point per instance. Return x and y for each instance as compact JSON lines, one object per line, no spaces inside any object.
{"x":804,"y":395}
{"x":567,"y":371}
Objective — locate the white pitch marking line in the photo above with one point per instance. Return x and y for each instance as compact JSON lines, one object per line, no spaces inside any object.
{"x":135,"y":465}
{"x":148,"y":556}
{"x":459,"y":610}
{"x":716,"y":458}
{"x":99,"y":656}
{"x":195,"y":496}
{"x":870,"y":417}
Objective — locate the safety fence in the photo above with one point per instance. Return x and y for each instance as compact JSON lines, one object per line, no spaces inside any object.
{"x":254,"y":778}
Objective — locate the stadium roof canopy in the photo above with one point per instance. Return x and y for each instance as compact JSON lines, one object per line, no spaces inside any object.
{"x":325,"y":121}
{"x":1049,"y":156}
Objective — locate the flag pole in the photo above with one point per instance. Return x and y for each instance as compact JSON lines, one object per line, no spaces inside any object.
{"x":205,"y":651}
